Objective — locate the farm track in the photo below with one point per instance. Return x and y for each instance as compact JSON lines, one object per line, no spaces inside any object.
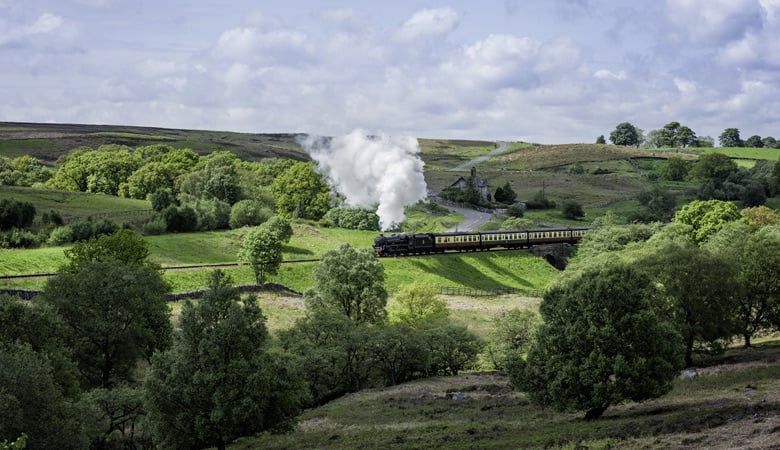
{"x":229,"y":265}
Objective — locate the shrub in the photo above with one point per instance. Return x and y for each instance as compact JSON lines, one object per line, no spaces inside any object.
{"x":161,"y":199}
{"x":577,"y":169}
{"x":572,"y":210}
{"x":52,"y":217}
{"x":351,"y":218}
{"x":675,"y":169}
{"x":398,"y":353}
{"x":452,"y":348}
{"x":280,"y":227}
{"x":61,"y":235}
{"x":514,"y":223}
{"x":248,"y":213}
{"x":540,"y":201}
{"x":513,"y":332}
{"x":517,"y":210}
{"x":179,"y":219}
{"x":19,"y":239}
{"x":16,"y":214}
{"x":211,"y":214}
{"x":155,"y":226}
{"x":417,"y":306}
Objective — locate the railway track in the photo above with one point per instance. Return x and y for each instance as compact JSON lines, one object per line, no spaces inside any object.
{"x":289,"y":261}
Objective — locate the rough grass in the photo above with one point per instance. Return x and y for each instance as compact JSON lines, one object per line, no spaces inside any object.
{"x":735,"y":403}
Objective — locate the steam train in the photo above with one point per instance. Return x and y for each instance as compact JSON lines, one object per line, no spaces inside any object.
{"x":428,"y":243}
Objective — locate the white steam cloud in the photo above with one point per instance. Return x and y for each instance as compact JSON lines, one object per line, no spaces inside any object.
{"x":372,"y":170}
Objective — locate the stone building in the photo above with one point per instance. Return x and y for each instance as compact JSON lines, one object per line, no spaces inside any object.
{"x":480,"y":184}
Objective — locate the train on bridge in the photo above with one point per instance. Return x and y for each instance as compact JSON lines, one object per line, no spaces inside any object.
{"x":430,"y":243}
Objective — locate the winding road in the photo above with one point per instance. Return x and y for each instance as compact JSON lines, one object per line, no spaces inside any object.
{"x":502,"y":147}
{"x":474,"y":218}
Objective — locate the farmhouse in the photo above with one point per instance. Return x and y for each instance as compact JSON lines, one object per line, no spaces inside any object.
{"x":480,"y":184}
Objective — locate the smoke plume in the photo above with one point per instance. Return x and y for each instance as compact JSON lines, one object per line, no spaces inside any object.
{"x":372,"y":170}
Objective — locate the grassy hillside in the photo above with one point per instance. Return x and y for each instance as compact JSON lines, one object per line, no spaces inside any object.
{"x":49,"y":141}
{"x":734,"y":403}
{"x":79,"y":205}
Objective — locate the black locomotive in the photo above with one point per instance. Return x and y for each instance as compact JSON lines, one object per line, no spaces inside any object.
{"x":427,"y":243}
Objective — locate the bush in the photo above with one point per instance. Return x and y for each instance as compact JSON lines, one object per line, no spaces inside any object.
{"x":351,"y":218}
{"x":211,"y":214}
{"x":398,"y":353}
{"x":16,"y":214}
{"x":577,"y":169}
{"x":517,"y":210}
{"x":248,"y":213}
{"x":161,"y":199}
{"x":179,"y":219}
{"x":61,"y":235}
{"x":675,"y":169}
{"x":280,"y":227}
{"x":155,"y":226}
{"x":19,"y":239}
{"x":514,"y":223}
{"x":540,"y":201}
{"x":512,"y":335}
{"x":418,"y":306}
{"x":52,"y":217}
{"x":452,"y":348}
{"x":572,"y":210}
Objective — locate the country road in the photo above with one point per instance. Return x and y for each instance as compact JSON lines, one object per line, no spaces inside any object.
{"x":474,"y":218}
{"x":502,"y":147}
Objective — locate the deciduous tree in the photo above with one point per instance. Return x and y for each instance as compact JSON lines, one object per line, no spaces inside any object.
{"x":262,"y":250}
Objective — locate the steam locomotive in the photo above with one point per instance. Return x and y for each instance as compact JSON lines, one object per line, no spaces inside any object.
{"x":428,"y":243}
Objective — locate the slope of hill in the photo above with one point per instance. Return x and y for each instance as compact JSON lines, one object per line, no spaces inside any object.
{"x":50,"y":141}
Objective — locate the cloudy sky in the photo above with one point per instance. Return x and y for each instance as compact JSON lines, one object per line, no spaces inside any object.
{"x":546,"y":71}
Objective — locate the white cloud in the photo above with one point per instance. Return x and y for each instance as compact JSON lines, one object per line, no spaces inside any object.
{"x":45,"y":24}
{"x":717,"y":21}
{"x":280,"y":45}
{"x":605,"y":74}
{"x":427,"y":23}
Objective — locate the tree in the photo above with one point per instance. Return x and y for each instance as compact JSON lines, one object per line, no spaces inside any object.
{"x":754,"y":195}
{"x":684,"y":137}
{"x":601,"y":140}
{"x":452,"y":348}
{"x":115,"y":314}
{"x":759,"y":217}
{"x":505,"y":194}
{"x":512,"y":335}
{"x":216,"y":177}
{"x":625,"y":134}
{"x":32,"y":403}
{"x":706,"y":217}
{"x":301,"y":192}
{"x":572,"y":210}
{"x":399,"y":353}
{"x":699,"y":285}
{"x":125,"y":246}
{"x":280,"y":227}
{"x":730,"y":138}
{"x":674,"y":169}
{"x":604,"y":340}
{"x":769,"y":142}
{"x":116,"y":418}
{"x":220,"y":380}
{"x":37,"y":324}
{"x":661,"y":138}
{"x":704,"y":141}
{"x":248,"y":213}
{"x":100,"y":171}
{"x":659,"y":204}
{"x":754,"y":141}
{"x":161,"y":199}
{"x":350,"y":282}
{"x":262,"y":250}
{"x":351,"y":218}
{"x":417,"y":306}
{"x":16,"y":214}
{"x":715,"y":167}
{"x":756,"y":256}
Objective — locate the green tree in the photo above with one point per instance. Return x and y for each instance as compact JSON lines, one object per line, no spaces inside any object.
{"x":417,"y":306}
{"x":715,"y":167}
{"x":32,"y":403}
{"x":759,"y":216}
{"x":125,"y":246}
{"x":674,"y":169}
{"x":16,"y":214}
{"x":704,"y":142}
{"x":162,"y":198}
{"x":512,"y":335}
{"x":115,"y":313}
{"x":398,"y":352}
{"x":699,"y":286}
{"x":756,"y":256}
{"x":301,"y":192}
{"x":754,"y":141}
{"x":37,"y":324}
{"x":248,"y":213}
{"x":659,"y":204}
{"x":452,"y":348}
{"x":280,"y":227}
{"x":601,"y":140}
{"x":706,"y":217}
{"x":350,"y":282}
{"x":215,"y":177}
{"x":262,"y":250}
{"x":769,"y":142}
{"x":730,"y":138}
{"x":625,"y":134}
{"x":100,"y":171}
{"x":115,"y":418}
{"x":505,"y":194}
{"x":603,"y":341}
{"x":684,"y":137}
{"x":220,"y":380}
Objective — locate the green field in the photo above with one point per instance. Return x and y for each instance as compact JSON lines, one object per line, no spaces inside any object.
{"x":79,"y":205}
{"x":733,"y":403}
{"x":772,"y":154}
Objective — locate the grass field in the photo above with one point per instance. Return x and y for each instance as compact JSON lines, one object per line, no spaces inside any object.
{"x":733,"y":403}
{"x":77,"y":205}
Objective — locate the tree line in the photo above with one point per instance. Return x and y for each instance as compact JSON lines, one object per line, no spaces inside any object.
{"x":674,"y":134}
